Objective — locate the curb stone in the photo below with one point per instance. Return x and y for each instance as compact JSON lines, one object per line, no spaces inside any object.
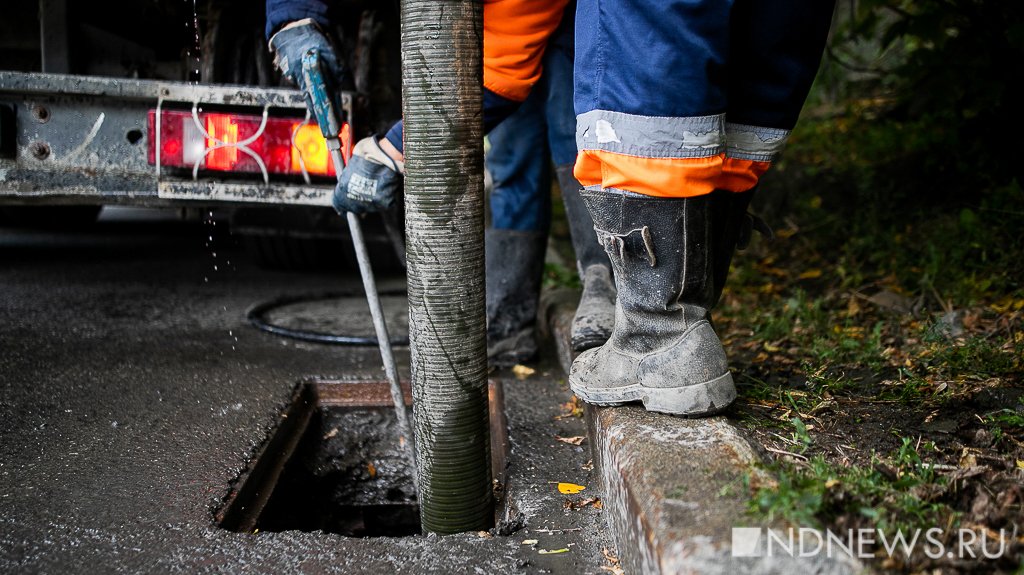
{"x":675,"y":487}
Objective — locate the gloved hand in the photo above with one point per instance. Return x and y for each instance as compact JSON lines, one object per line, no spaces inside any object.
{"x":292,"y":41}
{"x":371,"y":182}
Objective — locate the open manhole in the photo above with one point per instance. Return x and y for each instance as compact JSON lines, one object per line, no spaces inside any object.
{"x":334,"y":464}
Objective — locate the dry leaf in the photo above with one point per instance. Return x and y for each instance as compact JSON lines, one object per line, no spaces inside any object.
{"x":575,"y":440}
{"x":553,"y":551}
{"x":570,"y":488}
{"x":810,"y":274}
{"x":569,"y":504}
{"x":613,"y":562}
{"x":371,"y":469}
{"x":522,"y":372}
{"x":571,"y":408}
{"x":331,"y":433}
{"x":530,"y":541}
{"x":1020,"y":464}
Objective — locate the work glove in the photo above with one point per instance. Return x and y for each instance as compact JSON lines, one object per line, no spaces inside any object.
{"x":292,"y":42}
{"x":371,"y":182}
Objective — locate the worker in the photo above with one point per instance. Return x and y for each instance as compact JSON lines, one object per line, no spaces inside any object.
{"x":523,"y":148}
{"x":674,"y":134}
{"x":516,"y":33}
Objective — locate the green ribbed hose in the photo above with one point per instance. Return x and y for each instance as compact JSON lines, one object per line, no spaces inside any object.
{"x":442,"y":77}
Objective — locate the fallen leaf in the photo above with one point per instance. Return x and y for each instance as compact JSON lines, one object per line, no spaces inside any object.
{"x":571,"y":408}
{"x":810,"y":274}
{"x":892,"y":301}
{"x":570,"y":488}
{"x":530,"y":541}
{"x":830,"y":483}
{"x":613,"y":562}
{"x":581,"y":503}
{"x":575,"y":440}
{"x":522,"y":372}
{"x":331,"y":433}
{"x":484,"y":535}
{"x":967,"y":459}
{"x":553,"y":551}
{"x":1020,"y":464}
{"x":371,"y":469}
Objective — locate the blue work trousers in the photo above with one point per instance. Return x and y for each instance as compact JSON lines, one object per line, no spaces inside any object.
{"x":524,"y":146}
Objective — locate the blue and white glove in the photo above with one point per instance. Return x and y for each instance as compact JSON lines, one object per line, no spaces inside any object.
{"x":371,"y":182}
{"x":292,"y":42}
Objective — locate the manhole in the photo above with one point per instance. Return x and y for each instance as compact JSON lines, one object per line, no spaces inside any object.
{"x":334,"y":464}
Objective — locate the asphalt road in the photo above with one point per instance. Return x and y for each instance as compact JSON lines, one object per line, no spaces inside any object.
{"x":133,"y":392}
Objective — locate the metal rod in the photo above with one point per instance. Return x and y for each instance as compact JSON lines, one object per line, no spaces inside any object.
{"x":387,"y":356}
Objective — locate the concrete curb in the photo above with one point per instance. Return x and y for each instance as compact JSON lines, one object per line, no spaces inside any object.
{"x":675,"y":488}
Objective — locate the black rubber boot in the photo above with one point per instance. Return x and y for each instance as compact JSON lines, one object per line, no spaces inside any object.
{"x":731,"y":230}
{"x":514,"y":264}
{"x":663,"y":351}
{"x":595,"y":314}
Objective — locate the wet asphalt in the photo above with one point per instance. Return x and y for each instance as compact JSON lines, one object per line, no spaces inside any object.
{"x":133,"y":392}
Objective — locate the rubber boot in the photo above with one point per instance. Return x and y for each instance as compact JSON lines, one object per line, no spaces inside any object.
{"x":731,"y":230}
{"x":514,"y":263}
{"x":663,"y":351}
{"x":595,"y":314}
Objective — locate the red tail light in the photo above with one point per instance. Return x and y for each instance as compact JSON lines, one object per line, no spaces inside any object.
{"x":226,"y":142}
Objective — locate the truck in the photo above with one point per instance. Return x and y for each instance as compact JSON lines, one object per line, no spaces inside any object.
{"x":177,"y":104}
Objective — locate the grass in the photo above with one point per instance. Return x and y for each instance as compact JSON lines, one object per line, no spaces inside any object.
{"x":895,"y":492}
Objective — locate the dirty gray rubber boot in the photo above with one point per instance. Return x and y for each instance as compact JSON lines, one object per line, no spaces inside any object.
{"x":662,"y":352}
{"x":595,"y":314}
{"x":514,"y":265}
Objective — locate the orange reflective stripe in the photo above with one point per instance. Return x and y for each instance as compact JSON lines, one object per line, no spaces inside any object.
{"x":660,"y":177}
{"x":740,"y":175}
{"x":515,"y":34}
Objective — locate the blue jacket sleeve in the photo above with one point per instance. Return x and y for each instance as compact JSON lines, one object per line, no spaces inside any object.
{"x":496,"y":109}
{"x":281,"y":12}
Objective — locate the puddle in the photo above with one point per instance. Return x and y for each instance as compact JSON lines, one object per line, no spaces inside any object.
{"x":334,"y":464}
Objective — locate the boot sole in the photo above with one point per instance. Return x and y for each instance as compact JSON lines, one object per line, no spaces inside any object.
{"x":706,"y":398}
{"x":584,"y":343}
{"x":609,"y":396}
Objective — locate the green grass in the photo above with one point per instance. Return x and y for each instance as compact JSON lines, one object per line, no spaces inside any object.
{"x":897,"y":492}
{"x":559,"y":276}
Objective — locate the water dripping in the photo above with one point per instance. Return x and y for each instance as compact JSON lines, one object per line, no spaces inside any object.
{"x":193,"y":43}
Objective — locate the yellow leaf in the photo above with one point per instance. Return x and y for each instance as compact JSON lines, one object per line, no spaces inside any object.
{"x":1020,"y":464}
{"x":553,"y":551}
{"x":522,"y":372}
{"x":570,"y":488}
{"x":810,"y":274}
{"x":771,"y":348}
{"x":831,"y":483}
